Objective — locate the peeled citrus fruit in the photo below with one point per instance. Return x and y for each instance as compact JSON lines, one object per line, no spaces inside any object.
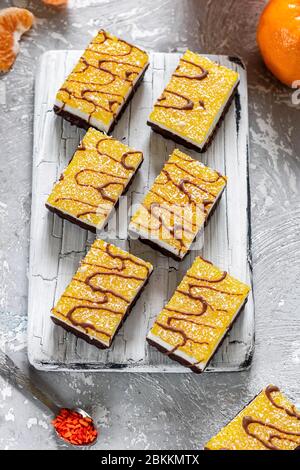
{"x":55,"y":2}
{"x":278,"y":37}
{"x":13,"y":23}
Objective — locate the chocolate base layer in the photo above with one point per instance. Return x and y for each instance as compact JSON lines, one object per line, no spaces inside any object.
{"x":158,"y":248}
{"x":172,"y":356}
{"x":70,"y":218}
{"x":80,"y":122}
{"x":181,"y":140}
{"x":95,"y":341}
{"x":81,"y":223}
{"x":184,"y":362}
{"x":164,"y":251}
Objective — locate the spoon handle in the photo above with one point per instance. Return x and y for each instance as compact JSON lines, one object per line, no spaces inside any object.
{"x":14,"y":375}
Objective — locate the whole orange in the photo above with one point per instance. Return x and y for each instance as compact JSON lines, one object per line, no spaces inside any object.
{"x":278,"y":37}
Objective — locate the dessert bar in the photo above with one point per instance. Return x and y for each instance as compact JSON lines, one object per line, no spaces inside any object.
{"x":102,"y":83}
{"x":101,"y":293}
{"x":269,"y":422}
{"x":89,"y":188}
{"x":177,"y":205}
{"x":194,"y":101}
{"x":192,"y":325}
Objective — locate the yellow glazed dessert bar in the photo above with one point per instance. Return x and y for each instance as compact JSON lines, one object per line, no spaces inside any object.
{"x":102,"y":82}
{"x":101,"y":293}
{"x":194,"y":101}
{"x":269,"y":422}
{"x":89,"y":188}
{"x":177,"y":205}
{"x":194,"y":322}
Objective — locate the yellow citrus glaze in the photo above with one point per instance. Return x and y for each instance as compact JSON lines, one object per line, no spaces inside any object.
{"x":104,"y":85}
{"x":115,"y":291}
{"x":96,"y":166}
{"x":208,"y":327}
{"x":208,"y":95}
{"x":190,"y":210}
{"x":234,"y":437}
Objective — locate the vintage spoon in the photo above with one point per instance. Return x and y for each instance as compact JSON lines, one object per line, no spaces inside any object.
{"x":14,"y":375}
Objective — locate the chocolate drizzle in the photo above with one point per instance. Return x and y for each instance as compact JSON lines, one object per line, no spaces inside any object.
{"x":274,"y":432}
{"x":100,"y":188}
{"x":201,"y":76}
{"x":94,"y":92}
{"x":102,"y":304}
{"x":182,"y":333}
{"x":97,"y":209}
{"x":115,"y":180}
{"x":111,"y":99}
{"x":186,"y":106}
{"x":268,"y":443}
{"x":290,"y":412}
{"x":182,"y":188}
{"x":206,"y":198}
{"x":183,"y":315}
{"x":107,"y":38}
{"x":176,"y":231}
{"x":189,"y":160}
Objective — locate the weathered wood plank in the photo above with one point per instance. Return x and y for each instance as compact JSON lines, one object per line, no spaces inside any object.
{"x":57,"y":247}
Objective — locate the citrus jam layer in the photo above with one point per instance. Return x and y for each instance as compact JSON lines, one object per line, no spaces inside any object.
{"x":202,"y":309}
{"x":269,"y":422}
{"x":178,"y":203}
{"x":101,"y":292}
{"x":102,"y":80}
{"x":193,"y":101}
{"x":95,"y":178}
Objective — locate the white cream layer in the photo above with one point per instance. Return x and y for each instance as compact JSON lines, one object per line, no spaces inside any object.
{"x":218,"y":116}
{"x":100,"y":125}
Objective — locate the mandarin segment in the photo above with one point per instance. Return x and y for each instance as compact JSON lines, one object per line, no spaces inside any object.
{"x":13,"y":23}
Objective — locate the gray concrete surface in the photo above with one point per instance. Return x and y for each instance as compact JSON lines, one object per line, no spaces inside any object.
{"x":157,"y":411}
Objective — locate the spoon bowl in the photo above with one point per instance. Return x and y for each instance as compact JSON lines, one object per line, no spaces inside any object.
{"x":84,"y":414}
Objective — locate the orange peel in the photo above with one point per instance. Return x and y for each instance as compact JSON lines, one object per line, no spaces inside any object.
{"x":278,"y":37}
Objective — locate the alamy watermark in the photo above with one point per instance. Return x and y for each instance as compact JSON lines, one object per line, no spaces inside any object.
{"x":296,"y":93}
{"x":160,"y":222}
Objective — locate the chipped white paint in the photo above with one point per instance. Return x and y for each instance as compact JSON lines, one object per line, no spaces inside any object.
{"x":57,"y":246}
{"x":6,"y":392}
{"x":10,"y":416}
{"x":31,"y":422}
{"x":2,"y":93}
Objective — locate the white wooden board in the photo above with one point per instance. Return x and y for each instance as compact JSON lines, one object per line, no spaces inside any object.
{"x":57,"y":246}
